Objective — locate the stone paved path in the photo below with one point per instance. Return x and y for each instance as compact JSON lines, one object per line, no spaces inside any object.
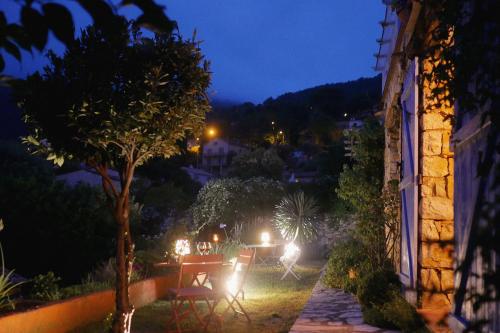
{"x":332,"y":310}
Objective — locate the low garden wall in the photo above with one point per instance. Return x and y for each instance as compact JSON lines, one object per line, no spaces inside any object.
{"x":64,"y":316}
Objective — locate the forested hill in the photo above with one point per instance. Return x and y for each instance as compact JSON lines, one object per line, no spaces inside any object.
{"x":314,"y":109}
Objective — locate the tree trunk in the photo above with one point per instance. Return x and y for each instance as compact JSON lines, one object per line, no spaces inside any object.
{"x":124,"y":311}
{"x":120,"y":207}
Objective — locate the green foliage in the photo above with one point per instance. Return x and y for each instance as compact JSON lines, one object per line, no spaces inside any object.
{"x":45,"y":287}
{"x":7,"y":288}
{"x":379,"y":295}
{"x":376,"y":288}
{"x":296,"y":218}
{"x":161,"y":96}
{"x":229,"y":248}
{"x":218,"y":202}
{"x":360,"y":185}
{"x":51,"y":226}
{"x":231,"y":200}
{"x":402,"y":315}
{"x":257,"y":163}
{"x":344,"y":265}
{"x":36,"y":23}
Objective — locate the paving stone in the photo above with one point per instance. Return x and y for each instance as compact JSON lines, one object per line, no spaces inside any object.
{"x":332,"y":310}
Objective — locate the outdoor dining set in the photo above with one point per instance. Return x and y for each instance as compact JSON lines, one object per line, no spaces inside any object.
{"x":212,"y":279}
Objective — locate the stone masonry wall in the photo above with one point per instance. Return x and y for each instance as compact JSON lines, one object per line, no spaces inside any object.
{"x":436,"y":203}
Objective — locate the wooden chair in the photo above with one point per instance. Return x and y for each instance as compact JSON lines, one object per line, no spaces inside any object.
{"x":236,"y":282}
{"x":195,"y":266}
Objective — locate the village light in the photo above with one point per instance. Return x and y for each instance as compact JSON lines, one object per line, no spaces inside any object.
{"x":212,"y":132}
{"x":265,"y":238}
{"x":182,"y":247}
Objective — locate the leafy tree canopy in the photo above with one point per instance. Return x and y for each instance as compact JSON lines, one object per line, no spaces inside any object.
{"x":231,"y":200}
{"x":38,"y":19}
{"x":257,"y":163}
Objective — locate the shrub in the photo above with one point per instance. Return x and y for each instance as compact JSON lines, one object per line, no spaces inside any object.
{"x":51,"y":227}
{"x":228,"y":248}
{"x":45,"y":287}
{"x":402,"y":315}
{"x":6,"y":286}
{"x":104,"y":272}
{"x":374,"y":316}
{"x":296,"y":218}
{"x":383,"y":306}
{"x":377,"y":288}
{"x":344,"y":265}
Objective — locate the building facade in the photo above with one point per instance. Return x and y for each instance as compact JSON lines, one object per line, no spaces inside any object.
{"x":418,"y":155}
{"x":217,"y":155}
{"x":435,"y":163}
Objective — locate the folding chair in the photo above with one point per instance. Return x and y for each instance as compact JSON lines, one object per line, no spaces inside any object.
{"x":237,"y":280}
{"x":194,"y":266}
{"x":289,"y":260}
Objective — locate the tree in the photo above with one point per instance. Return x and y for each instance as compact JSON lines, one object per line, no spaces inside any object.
{"x":257,"y":163}
{"x":232,"y":201}
{"x":115,"y":100}
{"x":360,"y":185}
{"x":35,"y":25}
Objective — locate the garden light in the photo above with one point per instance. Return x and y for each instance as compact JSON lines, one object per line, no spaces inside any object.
{"x":291,"y":252}
{"x":216,"y":238}
{"x":265,"y":238}
{"x":182,"y":247}
{"x":232,"y":282}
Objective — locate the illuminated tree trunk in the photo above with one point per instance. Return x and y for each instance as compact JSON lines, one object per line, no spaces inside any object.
{"x":124,"y":247}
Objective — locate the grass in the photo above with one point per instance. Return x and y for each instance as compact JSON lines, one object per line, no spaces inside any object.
{"x":273,"y":305}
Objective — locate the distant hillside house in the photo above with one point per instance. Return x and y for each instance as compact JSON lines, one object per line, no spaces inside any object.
{"x":304,"y":177}
{"x":218,"y":153}
{"x":89,"y":177}
{"x":198,"y":175}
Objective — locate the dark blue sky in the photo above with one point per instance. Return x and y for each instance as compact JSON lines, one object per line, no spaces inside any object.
{"x":262,"y":48}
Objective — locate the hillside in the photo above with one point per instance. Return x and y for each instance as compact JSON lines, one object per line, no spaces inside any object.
{"x":313,"y":111}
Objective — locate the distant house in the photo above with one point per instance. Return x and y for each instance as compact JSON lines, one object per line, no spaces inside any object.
{"x":198,"y":175}
{"x":87,"y":176}
{"x":217,"y":155}
{"x":304,"y":177}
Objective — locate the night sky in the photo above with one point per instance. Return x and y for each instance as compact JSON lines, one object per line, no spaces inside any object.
{"x":263,"y":48}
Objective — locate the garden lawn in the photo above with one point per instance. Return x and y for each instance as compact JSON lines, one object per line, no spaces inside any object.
{"x":273,"y":305}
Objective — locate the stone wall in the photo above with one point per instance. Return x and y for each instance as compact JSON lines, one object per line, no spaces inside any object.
{"x":435,"y":202}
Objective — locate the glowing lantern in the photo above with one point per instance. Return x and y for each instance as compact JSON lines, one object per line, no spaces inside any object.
{"x":216,"y":238}
{"x":292,"y":252}
{"x":232,"y":282}
{"x":182,"y":247}
{"x":265,"y":238}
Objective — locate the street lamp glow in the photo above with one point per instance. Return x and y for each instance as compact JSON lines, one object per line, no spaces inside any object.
{"x":211,"y":132}
{"x":265,"y":238}
{"x":281,"y":132}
